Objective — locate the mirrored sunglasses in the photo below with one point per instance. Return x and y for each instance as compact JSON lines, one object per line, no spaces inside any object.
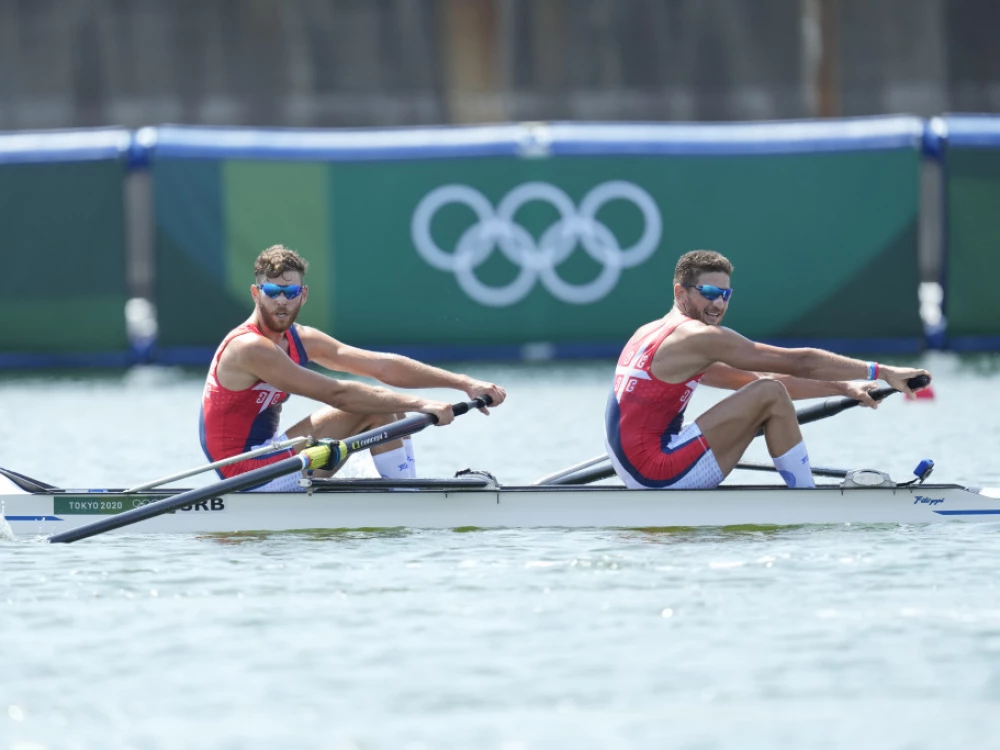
{"x":291,"y":291}
{"x":710,"y":292}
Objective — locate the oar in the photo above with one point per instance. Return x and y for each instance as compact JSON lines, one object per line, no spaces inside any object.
{"x":551,"y":478}
{"x":923,"y":470}
{"x":604,"y":473}
{"x":27,"y":483}
{"x":567,"y":477}
{"x":262,"y":451}
{"x":836,"y":405}
{"x":315,"y":457}
{"x":818,"y":471}
{"x":326,"y":455}
{"x":582,"y":474}
{"x":33,"y":485}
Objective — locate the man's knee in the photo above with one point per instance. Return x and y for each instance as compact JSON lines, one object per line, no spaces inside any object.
{"x":771,"y":392}
{"x":380,"y":420}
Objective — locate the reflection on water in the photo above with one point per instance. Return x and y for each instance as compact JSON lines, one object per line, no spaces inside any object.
{"x":718,"y":533}
{"x":980,"y":363}
{"x":307,"y":535}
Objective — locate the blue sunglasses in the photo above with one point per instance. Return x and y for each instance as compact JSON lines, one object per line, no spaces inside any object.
{"x":710,"y":292}
{"x":291,"y":291}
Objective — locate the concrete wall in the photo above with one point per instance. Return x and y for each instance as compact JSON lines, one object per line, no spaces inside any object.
{"x":68,"y":63}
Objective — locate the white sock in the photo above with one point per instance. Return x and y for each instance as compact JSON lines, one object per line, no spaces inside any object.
{"x":408,"y":447}
{"x":794,"y":467}
{"x":392,"y":464}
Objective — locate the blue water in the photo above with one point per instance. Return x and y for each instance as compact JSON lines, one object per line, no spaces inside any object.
{"x":819,"y":637}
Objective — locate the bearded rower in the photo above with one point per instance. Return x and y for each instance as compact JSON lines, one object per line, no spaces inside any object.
{"x":261,"y":362}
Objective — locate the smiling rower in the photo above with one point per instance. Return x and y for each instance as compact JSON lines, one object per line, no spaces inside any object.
{"x":662,"y":364}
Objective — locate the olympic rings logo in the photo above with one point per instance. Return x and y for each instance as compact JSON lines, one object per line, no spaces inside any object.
{"x":537,"y":259}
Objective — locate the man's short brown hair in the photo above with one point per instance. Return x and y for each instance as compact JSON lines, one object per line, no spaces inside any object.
{"x":693,"y":264}
{"x":276,"y":261}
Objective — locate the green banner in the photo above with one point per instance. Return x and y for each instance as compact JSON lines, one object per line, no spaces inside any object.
{"x":973,"y":255}
{"x":502,"y":250}
{"x":63,"y":223}
{"x":212,"y":220}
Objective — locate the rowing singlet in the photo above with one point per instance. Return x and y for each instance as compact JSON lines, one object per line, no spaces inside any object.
{"x":234,"y":422}
{"x":644,"y":413}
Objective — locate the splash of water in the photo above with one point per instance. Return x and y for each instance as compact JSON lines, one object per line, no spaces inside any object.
{"x":6,"y":532}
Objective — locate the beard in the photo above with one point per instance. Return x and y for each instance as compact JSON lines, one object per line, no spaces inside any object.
{"x":276,"y":324}
{"x":711,"y":320}
{"x":702,"y":315}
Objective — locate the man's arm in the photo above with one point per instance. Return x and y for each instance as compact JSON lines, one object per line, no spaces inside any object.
{"x":391,"y":369}
{"x":265,"y":361}
{"x":713,"y":344}
{"x":720,"y":375}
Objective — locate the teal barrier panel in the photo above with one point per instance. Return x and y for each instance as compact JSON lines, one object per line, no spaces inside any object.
{"x":543,"y":240}
{"x":62,"y":226}
{"x":971,"y":159}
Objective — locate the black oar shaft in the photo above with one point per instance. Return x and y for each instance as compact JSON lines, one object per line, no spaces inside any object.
{"x":604,"y":472}
{"x":586,"y":476}
{"x":836,"y":405}
{"x":318,"y":455}
{"x":166,"y":505}
{"x":407,"y":426}
{"x":819,"y":471}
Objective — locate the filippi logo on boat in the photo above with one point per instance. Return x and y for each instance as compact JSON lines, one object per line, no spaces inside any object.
{"x":922,"y":500}
{"x":537,"y":259}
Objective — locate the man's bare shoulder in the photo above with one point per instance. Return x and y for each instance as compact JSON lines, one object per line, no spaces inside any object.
{"x":238,"y":364}
{"x":316,"y":337}
{"x":647,"y":327}
{"x":306,"y":332}
{"x":322,"y":347}
{"x":690,"y":349}
{"x":696,"y":333}
{"x":250,"y":353}
{"x":248,"y":341}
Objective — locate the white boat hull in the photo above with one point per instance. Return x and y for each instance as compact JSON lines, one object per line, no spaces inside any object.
{"x":525,"y":507}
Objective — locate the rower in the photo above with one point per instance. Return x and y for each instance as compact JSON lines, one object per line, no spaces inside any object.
{"x":665,"y":360}
{"x":259,"y":363}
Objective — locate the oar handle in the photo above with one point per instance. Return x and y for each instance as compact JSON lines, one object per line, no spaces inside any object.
{"x":479,"y":402}
{"x":402,"y":428}
{"x":836,"y":405}
{"x":919,"y":381}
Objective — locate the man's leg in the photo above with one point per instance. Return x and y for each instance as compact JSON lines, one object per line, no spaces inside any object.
{"x":408,"y":447}
{"x":730,"y":425}
{"x":328,"y":422}
{"x":393,"y":462}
